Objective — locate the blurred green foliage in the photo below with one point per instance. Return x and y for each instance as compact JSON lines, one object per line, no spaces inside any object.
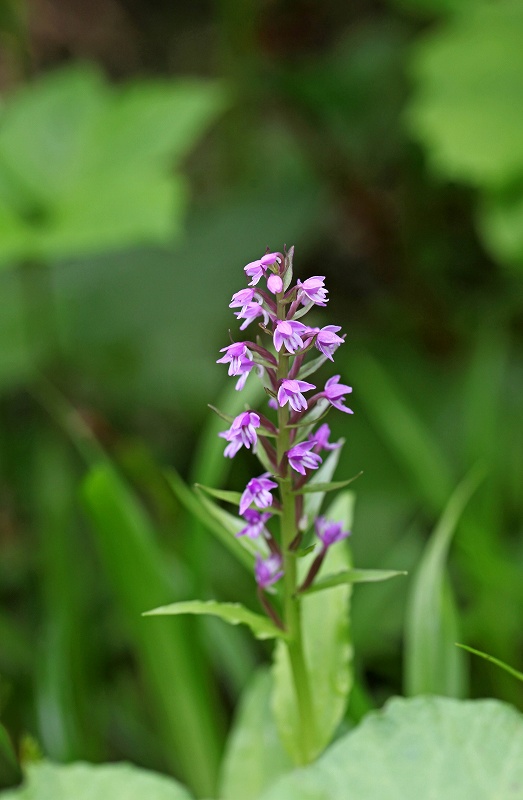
{"x":385,"y":144}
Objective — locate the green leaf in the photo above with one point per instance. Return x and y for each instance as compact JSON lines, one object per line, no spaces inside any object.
{"x":215,"y":519}
{"x":233,"y":613}
{"x":226,"y":417}
{"x":66,"y":145}
{"x":500,"y":218}
{"x":417,"y":748}
{"x":231,"y":526}
{"x":45,"y":781}
{"x":10,"y":772}
{"x":312,"y":488}
{"x":221,"y":494}
{"x":254,"y":757}
{"x":186,"y":710}
{"x":328,"y":651}
{"x":511,"y":670}
{"x":353,"y":576}
{"x":314,"y":500}
{"x":431,"y":665}
{"x":468,"y":109}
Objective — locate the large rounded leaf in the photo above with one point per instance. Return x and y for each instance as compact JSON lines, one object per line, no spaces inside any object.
{"x":427,"y":747}
{"x":89,"y":782}
{"x":468,"y":108}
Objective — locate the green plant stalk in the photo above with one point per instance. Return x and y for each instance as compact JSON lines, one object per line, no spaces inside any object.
{"x":292,"y":602}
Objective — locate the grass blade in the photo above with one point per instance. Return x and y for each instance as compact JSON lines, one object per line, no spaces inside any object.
{"x":431,"y":666}
{"x":186,"y":709}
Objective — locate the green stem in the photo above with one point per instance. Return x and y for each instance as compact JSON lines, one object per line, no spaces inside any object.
{"x":292,"y":603}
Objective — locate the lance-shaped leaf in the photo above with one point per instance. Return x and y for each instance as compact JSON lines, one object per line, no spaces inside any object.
{"x":221,"y":494}
{"x":288,"y":268}
{"x":233,"y":613}
{"x":432,"y":663}
{"x":221,"y":414}
{"x":313,"y":500}
{"x":496,"y":661}
{"x":327,"y":646}
{"x":212,"y":516}
{"x":353,"y":576}
{"x":311,"y":367}
{"x":234,"y":525}
{"x":10,"y":773}
{"x":313,"y":488}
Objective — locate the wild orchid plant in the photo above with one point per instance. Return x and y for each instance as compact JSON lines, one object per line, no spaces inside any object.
{"x":291,"y":544}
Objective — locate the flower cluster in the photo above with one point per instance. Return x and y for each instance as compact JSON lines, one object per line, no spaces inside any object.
{"x":289,"y":448}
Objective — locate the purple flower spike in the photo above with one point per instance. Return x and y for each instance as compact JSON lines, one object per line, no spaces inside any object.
{"x":274,"y":284}
{"x":329,"y":532}
{"x":321,"y":439}
{"x":312,"y":291}
{"x":291,"y":391}
{"x":289,"y":333}
{"x":267,"y":571}
{"x":301,"y":457}
{"x":257,"y":491}
{"x":255,"y":524}
{"x":257,"y":269}
{"x":241,"y":432}
{"x":335,"y":393}
{"x":327,"y":340}
{"x":250,"y":311}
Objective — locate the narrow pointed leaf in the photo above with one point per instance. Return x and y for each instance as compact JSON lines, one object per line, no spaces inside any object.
{"x":206,"y":512}
{"x":221,"y":414}
{"x":186,"y":709}
{"x":353,"y":576}
{"x":221,"y":494}
{"x":511,"y":670}
{"x":313,"y":488}
{"x":432,"y":665}
{"x":311,"y":367}
{"x":313,"y":500}
{"x":233,"y":613}
{"x":10,"y":772}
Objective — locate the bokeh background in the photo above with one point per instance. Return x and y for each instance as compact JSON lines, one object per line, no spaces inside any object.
{"x":150,"y":149}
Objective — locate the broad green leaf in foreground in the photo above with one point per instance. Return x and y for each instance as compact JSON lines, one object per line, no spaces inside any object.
{"x":81,"y":781}
{"x":233,"y":613}
{"x":328,"y":650}
{"x":254,"y":757}
{"x":86,"y":167}
{"x":431,"y":662}
{"x":418,"y":748}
